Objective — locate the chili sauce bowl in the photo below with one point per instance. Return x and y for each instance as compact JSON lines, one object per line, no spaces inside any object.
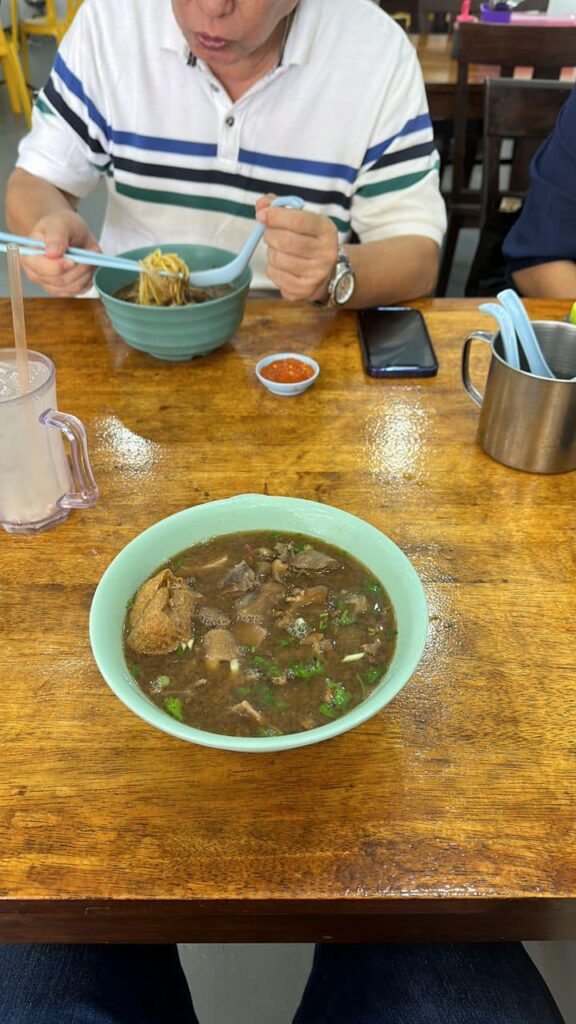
{"x":175,"y":332}
{"x":294,"y":387}
{"x":142,"y":556}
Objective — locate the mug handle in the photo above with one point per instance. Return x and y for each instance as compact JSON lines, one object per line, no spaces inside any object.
{"x":86,"y":493}
{"x":472,"y":391}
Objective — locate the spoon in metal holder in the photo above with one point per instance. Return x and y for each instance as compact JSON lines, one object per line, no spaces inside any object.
{"x":507,"y":332}
{"x":521,"y":321}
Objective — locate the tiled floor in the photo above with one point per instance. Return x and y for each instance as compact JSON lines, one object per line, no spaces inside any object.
{"x":263,"y":982}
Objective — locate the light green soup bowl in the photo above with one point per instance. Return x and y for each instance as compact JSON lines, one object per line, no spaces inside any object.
{"x":175,"y":332}
{"x":142,"y":556}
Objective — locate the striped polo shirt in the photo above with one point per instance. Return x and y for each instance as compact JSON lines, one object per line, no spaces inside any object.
{"x":342,"y":121}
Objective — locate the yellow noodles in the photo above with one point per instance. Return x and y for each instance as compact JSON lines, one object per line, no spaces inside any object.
{"x":154,"y":290}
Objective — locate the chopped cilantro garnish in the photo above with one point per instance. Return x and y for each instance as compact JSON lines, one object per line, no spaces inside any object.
{"x":345,"y":619}
{"x":323,"y":622}
{"x":339,"y":696}
{"x":136,"y":671}
{"x":372,"y":588}
{"x":161,"y":682}
{"x":372,"y":675}
{"x":173,"y":706}
{"x":362,"y":685}
{"x":328,"y":711}
{"x":129,"y":604}
{"x":269,"y":730}
{"x":285,"y":641}
{"x":243,"y":691}
{"x":177,"y":563}
{"x":267,"y":665}
{"x":181,"y":649}
{"x":311,"y":668}
{"x":265,"y":696}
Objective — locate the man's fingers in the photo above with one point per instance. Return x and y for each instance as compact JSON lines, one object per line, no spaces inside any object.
{"x":55,"y":275}
{"x":279,"y":240}
{"x":301,"y":222}
{"x":297,"y":265}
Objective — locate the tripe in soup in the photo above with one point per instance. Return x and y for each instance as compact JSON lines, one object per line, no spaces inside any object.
{"x":259,"y":634}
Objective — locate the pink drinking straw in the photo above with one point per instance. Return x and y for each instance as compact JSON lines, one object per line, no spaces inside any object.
{"x":465,"y":12}
{"x":15,"y":285}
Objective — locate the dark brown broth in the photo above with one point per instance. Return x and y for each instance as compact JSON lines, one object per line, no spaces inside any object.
{"x":295,"y":678}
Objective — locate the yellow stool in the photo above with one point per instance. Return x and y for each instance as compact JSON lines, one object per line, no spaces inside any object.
{"x":10,"y":60}
{"x":48,"y":25}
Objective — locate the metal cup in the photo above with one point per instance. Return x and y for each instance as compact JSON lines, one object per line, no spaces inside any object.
{"x":528,"y":422}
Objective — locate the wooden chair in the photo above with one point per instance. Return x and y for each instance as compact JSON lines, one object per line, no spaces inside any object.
{"x":47,"y":25}
{"x":547,"y":50}
{"x":437,"y":14}
{"x":403,"y":11}
{"x":519,"y":110}
{"x":10,"y":60}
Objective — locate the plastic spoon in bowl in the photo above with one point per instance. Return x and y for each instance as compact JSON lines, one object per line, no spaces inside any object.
{"x":507,"y":332}
{"x":230,"y":271}
{"x":515,"y":309}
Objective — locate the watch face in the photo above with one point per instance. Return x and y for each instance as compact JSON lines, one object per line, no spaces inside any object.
{"x":344,"y":288}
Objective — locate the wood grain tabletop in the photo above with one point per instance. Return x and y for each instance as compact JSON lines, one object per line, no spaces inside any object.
{"x":448,"y":815}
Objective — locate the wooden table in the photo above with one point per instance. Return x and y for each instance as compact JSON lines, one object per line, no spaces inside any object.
{"x":440,"y":72}
{"x":450,"y":815}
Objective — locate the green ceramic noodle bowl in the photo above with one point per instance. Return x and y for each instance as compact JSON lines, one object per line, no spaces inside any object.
{"x":175,"y":332}
{"x":143,"y":555}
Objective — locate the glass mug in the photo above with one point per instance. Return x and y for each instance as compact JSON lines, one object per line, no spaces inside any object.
{"x":38,"y":484}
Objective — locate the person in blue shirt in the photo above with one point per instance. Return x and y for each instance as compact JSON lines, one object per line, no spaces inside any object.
{"x":540,"y":249}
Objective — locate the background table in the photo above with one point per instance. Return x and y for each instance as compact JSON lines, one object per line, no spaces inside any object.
{"x":448,"y":815}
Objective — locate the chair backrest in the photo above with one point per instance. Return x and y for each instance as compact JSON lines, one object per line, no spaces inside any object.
{"x":446,"y":9}
{"x":546,"y":49}
{"x":519,"y":110}
{"x":403,"y":11}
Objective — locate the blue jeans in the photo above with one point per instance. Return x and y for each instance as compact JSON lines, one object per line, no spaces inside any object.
{"x":484,"y":983}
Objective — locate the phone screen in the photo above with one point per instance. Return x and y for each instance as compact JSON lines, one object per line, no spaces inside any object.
{"x":395,"y":343}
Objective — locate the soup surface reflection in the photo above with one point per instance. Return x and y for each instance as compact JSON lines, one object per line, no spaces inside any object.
{"x":259,"y":634}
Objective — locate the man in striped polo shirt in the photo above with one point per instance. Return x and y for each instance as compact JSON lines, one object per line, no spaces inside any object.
{"x":194,"y":111}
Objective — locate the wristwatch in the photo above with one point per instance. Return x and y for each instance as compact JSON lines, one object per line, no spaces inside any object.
{"x":342,"y":282}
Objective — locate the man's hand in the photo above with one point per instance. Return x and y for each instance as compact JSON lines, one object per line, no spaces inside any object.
{"x":57,"y":276}
{"x":302,"y":250}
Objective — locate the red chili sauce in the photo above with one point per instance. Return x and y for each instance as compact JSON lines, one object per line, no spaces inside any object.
{"x":287,"y":371}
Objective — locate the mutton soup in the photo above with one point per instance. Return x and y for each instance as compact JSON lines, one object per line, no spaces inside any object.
{"x":259,"y":634}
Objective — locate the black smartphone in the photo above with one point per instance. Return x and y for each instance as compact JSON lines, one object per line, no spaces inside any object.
{"x":395,"y":343}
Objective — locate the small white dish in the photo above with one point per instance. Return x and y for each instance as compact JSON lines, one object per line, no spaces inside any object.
{"x":295,"y":388}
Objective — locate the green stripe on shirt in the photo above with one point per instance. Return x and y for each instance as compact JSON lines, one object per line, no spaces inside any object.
{"x":149,"y":195}
{"x":378,"y":188}
{"x":43,"y":106}
{"x":234,"y":209}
